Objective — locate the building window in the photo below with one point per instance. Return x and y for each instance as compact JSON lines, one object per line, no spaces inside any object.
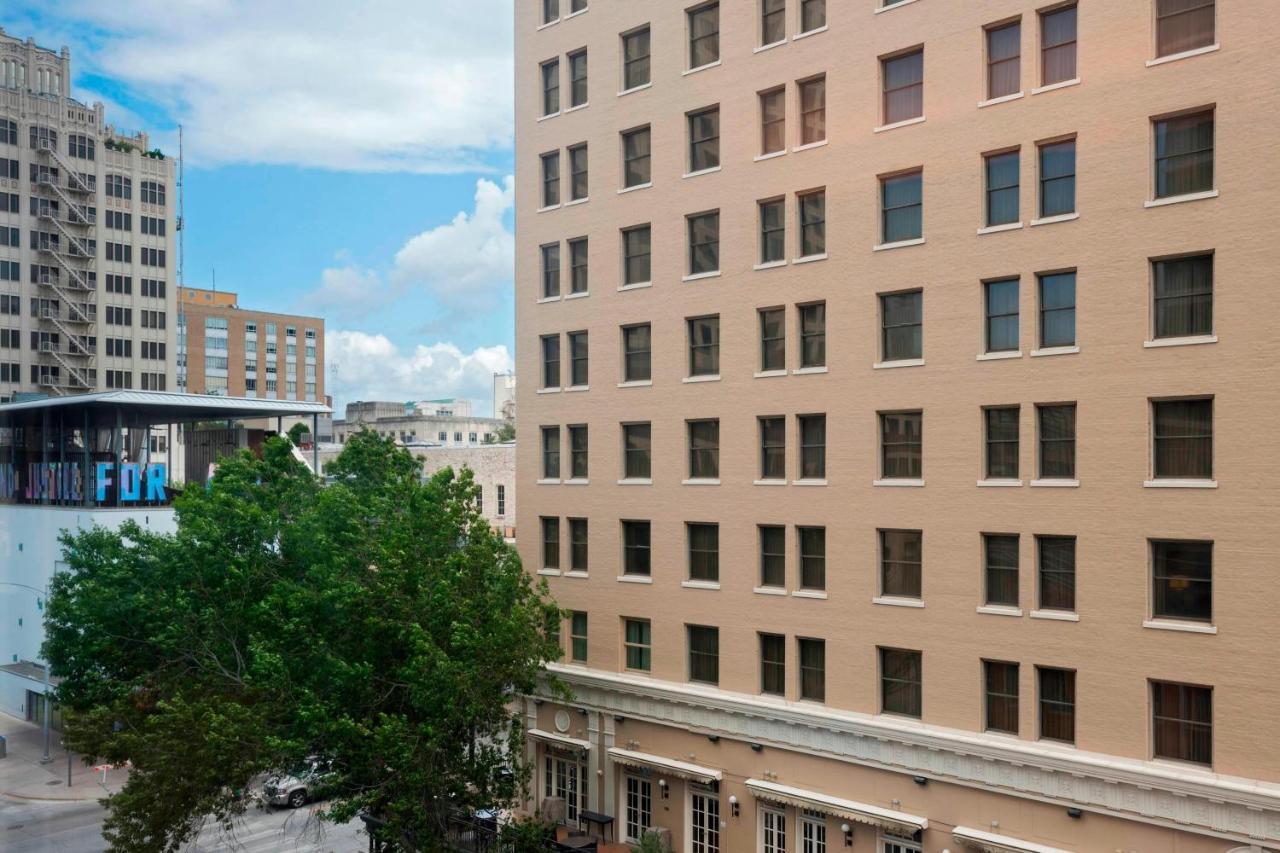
{"x":773,"y":664}
{"x":1183,"y":438}
{"x":773,"y":21}
{"x":1003,"y":187}
{"x":550,"y":11}
{"x":152,"y":192}
{"x":704,"y":450}
{"x":1004,"y":60}
{"x":577,"y":539}
{"x":902,"y":208}
{"x":773,"y":555}
{"x":1058,"y":46}
{"x":1182,"y":722}
{"x":1057,"y":704}
{"x":578,"y":359}
{"x":901,"y":443}
{"x":704,"y":819}
{"x":773,"y":448}
{"x":635,"y":59}
{"x":813,"y":110}
{"x":577,"y":452}
{"x":550,"y":271}
{"x":704,"y":35}
{"x":637,"y":353}
{"x":1001,"y":298}
{"x":773,"y":231}
{"x":551,"y":87}
{"x":578,"y":172}
{"x":704,"y":551}
{"x":578,"y":279}
{"x":903,"y":78}
{"x":704,"y":243}
{"x":704,"y":654}
{"x":773,"y":342}
{"x":636,"y":451}
{"x":704,"y":346}
{"x":902,"y":326}
{"x":550,"y":361}
{"x":1184,"y":154}
{"x":901,"y":558}
{"x":813,"y":668}
{"x":636,"y":157}
{"x":637,"y":643}
{"x":1183,"y":25}
{"x":773,"y":830}
{"x":901,"y":682}
{"x":1057,"y":309}
{"x":1058,"y":178}
{"x":1002,"y":442}
{"x":1182,"y":580}
{"x":704,"y":139}
{"x":551,"y":179}
{"x":550,"y":543}
{"x":1183,"y":295}
{"x":639,"y":810}
{"x":1001,"y":680}
{"x":551,"y":453}
{"x":812,"y":210}
{"x":502,"y":500}
{"x":635,"y":255}
{"x":635,"y":548}
{"x":578,"y":78}
{"x":773,"y":121}
{"x":1000,"y":556}
{"x":578,"y":636}
{"x":813,"y":557}
{"x":813,"y":16}
{"x":813,"y":335}
{"x":813,"y":446}
{"x":1057,"y":441}
{"x":1057,"y":559}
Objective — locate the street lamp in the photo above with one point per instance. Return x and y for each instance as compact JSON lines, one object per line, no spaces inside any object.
{"x":42,"y":595}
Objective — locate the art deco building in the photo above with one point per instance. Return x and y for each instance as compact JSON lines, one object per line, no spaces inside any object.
{"x":899,"y":378}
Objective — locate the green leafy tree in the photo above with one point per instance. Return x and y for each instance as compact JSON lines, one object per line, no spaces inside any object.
{"x":378,"y":621}
{"x":506,"y":432}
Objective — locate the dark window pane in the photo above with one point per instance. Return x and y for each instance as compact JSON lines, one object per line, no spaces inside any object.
{"x":1058,"y":178}
{"x":1183,"y":296}
{"x":901,"y":553}
{"x":773,"y":664}
{"x":635,"y":545}
{"x":901,"y":202}
{"x":773,"y":21}
{"x":813,"y":446}
{"x":635,"y":59}
{"x":704,"y":449}
{"x":1001,"y":556}
{"x":813,"y":225}
{"x":1002,"y":188}
{"x":636,"y":447}
{"x":1002,"y":696}
{"x":1182,"y":722}
{"x":773,"y":121}
{"x":636,"y":157}
{"x":704,"y":552}
{"x":1057,"y":441}
{"x":901,"y":445}
{"x":704,"y":654}
{"x":1058,"y":45}
{"x":704,"y":140}
{"x":637,"y":353}
{"x":1182,"y":580}
{"x":638,"y":644}
{"x":1057,"y":704}
{"x":773,"y":449}
{"x":704,"y":346}
{"x":1184,"y":155}
{"x":704,"y":35}
{"x":704,"y":243}
{"x":1002,"y":315}
{"x":773,"y":555}
{"x":902,"y":321}
{"x":551,"y":543}
{"x":635,"y":242}
{"x":900,"y":682}
{"x":1183,"y":25}
{"x":813,"y":335}
{"x":1057,"y":572}
{"x":1058,"y":310}
{"x":551,"y":453}
{"x":813,"y":557}
{"x":1002,"y":443}
{"x":813,"y":667}
{"x":903,"y":87}
{"x":773,"y":343}
{"x":773,"y":232}
{"x":1184,"y":439}
{"x":1004,"y":60}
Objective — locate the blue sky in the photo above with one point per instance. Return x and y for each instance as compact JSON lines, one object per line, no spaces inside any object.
{"x":330,"y":168}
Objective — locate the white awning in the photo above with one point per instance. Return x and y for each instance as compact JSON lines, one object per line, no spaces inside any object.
{"x":989,"y":842}
{"x":558,"y":739}
{"x":668,"y":766}
{"x":847,"y":809}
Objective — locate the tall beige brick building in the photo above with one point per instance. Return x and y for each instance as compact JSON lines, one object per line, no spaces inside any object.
{"x":898,"y":378}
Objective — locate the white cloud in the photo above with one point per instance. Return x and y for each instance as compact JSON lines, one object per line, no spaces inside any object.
{"x":370,"y":367}
{"x":349,"y":292}
{"x":387,"y":85}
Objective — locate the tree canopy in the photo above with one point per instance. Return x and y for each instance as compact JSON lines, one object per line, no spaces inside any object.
{"x":378,"y":621}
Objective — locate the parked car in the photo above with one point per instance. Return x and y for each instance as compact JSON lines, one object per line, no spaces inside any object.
{"x":309,"y":781}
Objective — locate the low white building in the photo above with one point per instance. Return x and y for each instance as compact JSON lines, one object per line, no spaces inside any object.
{"x":445,"y":423}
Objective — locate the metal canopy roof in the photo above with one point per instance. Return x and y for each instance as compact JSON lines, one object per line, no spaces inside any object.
{"x":176,"y":407}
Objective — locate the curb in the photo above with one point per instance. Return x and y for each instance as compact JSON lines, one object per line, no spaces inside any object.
{"x":14,"y":795}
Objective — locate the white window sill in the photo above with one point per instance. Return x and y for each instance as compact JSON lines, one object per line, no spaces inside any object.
{"x":1188,"y":341}
{"x":549,"y":481}
{"x":1050,"y":220}
{"x":1179,"y":199}
{"x":689,"y":380}
{"x":573,"y":388}
{"x":999,"y":610}
{"x":549,"y":116}
{"x":583,"y":295}
{"x":804,"y":371}
{"x":577,"y":481}
{"x":899,"y":482}
{"x":815,"y":481}
{"x":636,"y":383}
{"x":1057,"y":615}
{"x":700,"y":68}
{"x":808,"y":259}
{"x":809,"y":145}
{"x":767,"y":374}
{"x":573,"y":202}
{"x":635,"y":481}
{"x":639,"y":285}
{"x":900,"y":244}
{"x":996,"y":229}
{"x":581,"y":11}
{"x":1056,"y":483}
{"x":635,"y":579}
{"x":1180,"y":484}
{"x":1003,"y":99}
{"x":902,"y":362}
{"x":547,"y":208}
{"x":769,"y":590}
{"x":1061,"y":84}
{"x":770,"y":46}
{"x":700,"y":584}
{"x":576,"y":107}
{"x":701,"y":172}
{"x":635,"y":187}
{"x":770,"y":155}
{"x":699,"y":276}
{"x":1186,"y":54}
{"x":635,"y":89}
{"x":545,"y":299}
{"x":548,"y":391}
{"x":551,"y":573}
{"x":777,"y":482}
{"x":897,"y":124}
{"x":701,"y":481}
{"x":895,"y":601}
{"x":999,"y":356}
{"x":999,"y":484}
{"x":894,"y":6}
{"x":1048,"y":351}
{"x":575,"y":573}
{"x":810,"y":593}
{"x":1178,"y":625}
{"x":550,"y":23}
{"x":770,"y":265}
{"x":807,"y":33}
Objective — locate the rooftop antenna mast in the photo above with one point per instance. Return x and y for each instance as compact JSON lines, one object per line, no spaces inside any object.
{"x":181,"y":232}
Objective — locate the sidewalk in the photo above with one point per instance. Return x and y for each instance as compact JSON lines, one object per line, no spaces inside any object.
{"x":23,"y":777}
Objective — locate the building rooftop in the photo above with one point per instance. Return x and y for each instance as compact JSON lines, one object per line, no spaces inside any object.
{"x":159,"y":406}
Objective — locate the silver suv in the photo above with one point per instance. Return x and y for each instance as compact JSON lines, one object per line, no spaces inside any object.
{"x":309,"y":781}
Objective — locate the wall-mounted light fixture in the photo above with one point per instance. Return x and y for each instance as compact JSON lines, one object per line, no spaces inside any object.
{"x":920,"y":780}
{"x":1074,"y":812}
{"x":757,"y":747}
{"x":848,"y":834}
{"x":662,"y":786}
{"x":733,"y":804}
{"x":713,"y":738}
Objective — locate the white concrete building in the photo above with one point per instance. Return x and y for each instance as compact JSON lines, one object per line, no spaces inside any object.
{"x":444,"y":423}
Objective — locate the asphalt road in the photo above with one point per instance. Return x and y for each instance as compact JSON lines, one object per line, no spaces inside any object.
{"x":76,"y":827}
